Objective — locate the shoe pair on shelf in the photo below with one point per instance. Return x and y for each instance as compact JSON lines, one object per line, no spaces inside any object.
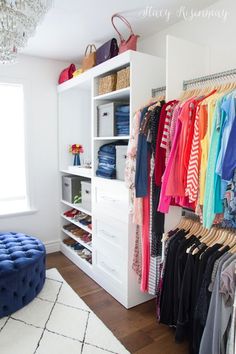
{"x":83,"y":218}
{"x":78,"y":232}
{"x":85,"y":254}
{"x":86,"y":237}
{"x":70,"y":227}
{"x":71,"y":213}
{"x":69,"y":242}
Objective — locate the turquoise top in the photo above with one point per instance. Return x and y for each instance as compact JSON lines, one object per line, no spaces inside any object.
{"x":213,"y":180}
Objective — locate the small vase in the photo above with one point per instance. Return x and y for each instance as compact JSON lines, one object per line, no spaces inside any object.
{"x":77,"y":160}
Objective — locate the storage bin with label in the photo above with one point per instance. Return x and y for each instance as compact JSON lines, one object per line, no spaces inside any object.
{"x":121,"y":154}
{"x":106,"y":120}
{"x":86,"y":194}
{"x":70,"y":188}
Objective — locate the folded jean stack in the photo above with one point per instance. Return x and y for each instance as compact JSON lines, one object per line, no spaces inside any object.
{"x":107,"y":161}
{"x":122,"y":120}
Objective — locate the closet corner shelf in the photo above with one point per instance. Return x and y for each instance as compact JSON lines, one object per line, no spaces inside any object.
{"x":124,"y":137}
{"x":77,"y":223}
{"x":77,"y":239}
{"x":77,"y":207}
{"x":76,"y":259}
{"x":82,"y":172}
{"x":115,"y":95}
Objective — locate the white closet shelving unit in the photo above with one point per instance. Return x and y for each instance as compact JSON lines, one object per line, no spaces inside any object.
{"x":112,"y":230}
{"x":112,"y":234}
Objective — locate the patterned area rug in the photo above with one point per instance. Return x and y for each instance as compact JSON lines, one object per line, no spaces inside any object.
{"x":57,"y":321}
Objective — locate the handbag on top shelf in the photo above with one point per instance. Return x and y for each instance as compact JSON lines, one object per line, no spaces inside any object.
{"x":107,"y":51}
{"x":66,"y":74}
{"x":125,"y":44}
{"x":89,"y":59}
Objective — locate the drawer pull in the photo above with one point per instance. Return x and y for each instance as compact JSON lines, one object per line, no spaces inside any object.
{"x":108,"y":199}
{"x":112,"y":270}
{"x":104,"y":232}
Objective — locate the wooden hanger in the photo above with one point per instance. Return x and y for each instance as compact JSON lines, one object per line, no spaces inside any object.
{"x":194,"y":229}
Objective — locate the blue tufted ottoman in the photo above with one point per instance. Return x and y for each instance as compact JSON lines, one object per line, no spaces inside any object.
{"x":22,"y":271}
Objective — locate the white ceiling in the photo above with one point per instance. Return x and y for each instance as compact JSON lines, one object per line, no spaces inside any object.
{"x":71,"y":24}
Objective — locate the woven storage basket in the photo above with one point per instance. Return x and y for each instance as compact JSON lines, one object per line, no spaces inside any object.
{"x":107,"y":84}
{"x":123,"y":78}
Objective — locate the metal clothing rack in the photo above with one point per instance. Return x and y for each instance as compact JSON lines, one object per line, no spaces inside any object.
{"x":158,"y":91}
{"x":212,"y":77}
{"x":188,"y":213}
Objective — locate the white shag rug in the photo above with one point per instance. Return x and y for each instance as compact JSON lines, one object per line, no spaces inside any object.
{"x":57,"y":321}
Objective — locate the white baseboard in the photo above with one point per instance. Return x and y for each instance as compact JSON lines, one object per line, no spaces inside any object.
{"x":52,"y":246}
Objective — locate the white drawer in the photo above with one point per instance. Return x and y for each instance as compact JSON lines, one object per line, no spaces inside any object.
{"x":109,"y":266}
{"x":110,"y":233}
{"x":112,"y":199}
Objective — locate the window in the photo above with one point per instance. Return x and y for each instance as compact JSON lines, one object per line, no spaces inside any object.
{"x":13,"y":191}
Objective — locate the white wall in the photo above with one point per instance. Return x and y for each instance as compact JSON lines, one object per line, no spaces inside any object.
{"x":41,"y":76}
{"x":219,"y":35}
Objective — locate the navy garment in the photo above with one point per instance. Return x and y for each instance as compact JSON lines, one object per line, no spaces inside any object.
{"x":229,"y":161}
{"x":141,"y":175}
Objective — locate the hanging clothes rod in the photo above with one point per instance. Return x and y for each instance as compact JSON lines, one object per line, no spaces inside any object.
{"x":212,"y":77}
{"x":158,"y":90}
{"x":188,"y":213}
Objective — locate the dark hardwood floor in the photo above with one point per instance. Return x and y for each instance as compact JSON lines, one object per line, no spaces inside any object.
{"x":136,"y":328}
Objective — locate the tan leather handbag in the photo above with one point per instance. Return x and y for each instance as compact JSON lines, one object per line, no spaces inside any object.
{"x":89,"y":59}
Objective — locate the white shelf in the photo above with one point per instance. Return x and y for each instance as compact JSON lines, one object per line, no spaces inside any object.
{"x":115,"y":95}
{"x":84,"y":80}
{"x":77,"y":223}
{"x":112,"y":181}
{"x":76,"y":259}
{"x":100,"y":138}
{"x":82,"y":172}
{"x":77,"y":239}
{"x":77,"y":207}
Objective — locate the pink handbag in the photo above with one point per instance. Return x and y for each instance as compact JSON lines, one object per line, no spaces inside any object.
{"x":131,"y":42}
{"x":66,"y":74}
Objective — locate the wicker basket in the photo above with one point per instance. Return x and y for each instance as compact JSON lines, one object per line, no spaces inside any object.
{"x":123,"y":78}
{"x":107,"y":84}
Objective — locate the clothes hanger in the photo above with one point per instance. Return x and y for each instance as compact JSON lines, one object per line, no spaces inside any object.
{"x":220,"y":238}
{"x":194,"y":229}
{"x":187,"y":224}
{"x":233,"y":239}
{"x":209,"y":234}
{"x":228,"y":239}
{"x":181,"y":222}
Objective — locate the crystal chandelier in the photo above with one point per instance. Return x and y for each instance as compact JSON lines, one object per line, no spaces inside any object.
{"x":18,"y":22}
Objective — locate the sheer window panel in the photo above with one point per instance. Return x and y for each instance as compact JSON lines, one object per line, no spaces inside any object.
{"x":13,"y":182}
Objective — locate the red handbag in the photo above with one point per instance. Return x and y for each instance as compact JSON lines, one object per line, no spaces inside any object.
{"x":131,"y":42}
{"x":67,"y":74}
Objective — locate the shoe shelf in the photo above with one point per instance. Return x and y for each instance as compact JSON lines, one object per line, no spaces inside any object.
{"x":77,"y":207}
{"x":75,"y":258}
{"x":77,"y":223}
{"x":77,"y":239}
